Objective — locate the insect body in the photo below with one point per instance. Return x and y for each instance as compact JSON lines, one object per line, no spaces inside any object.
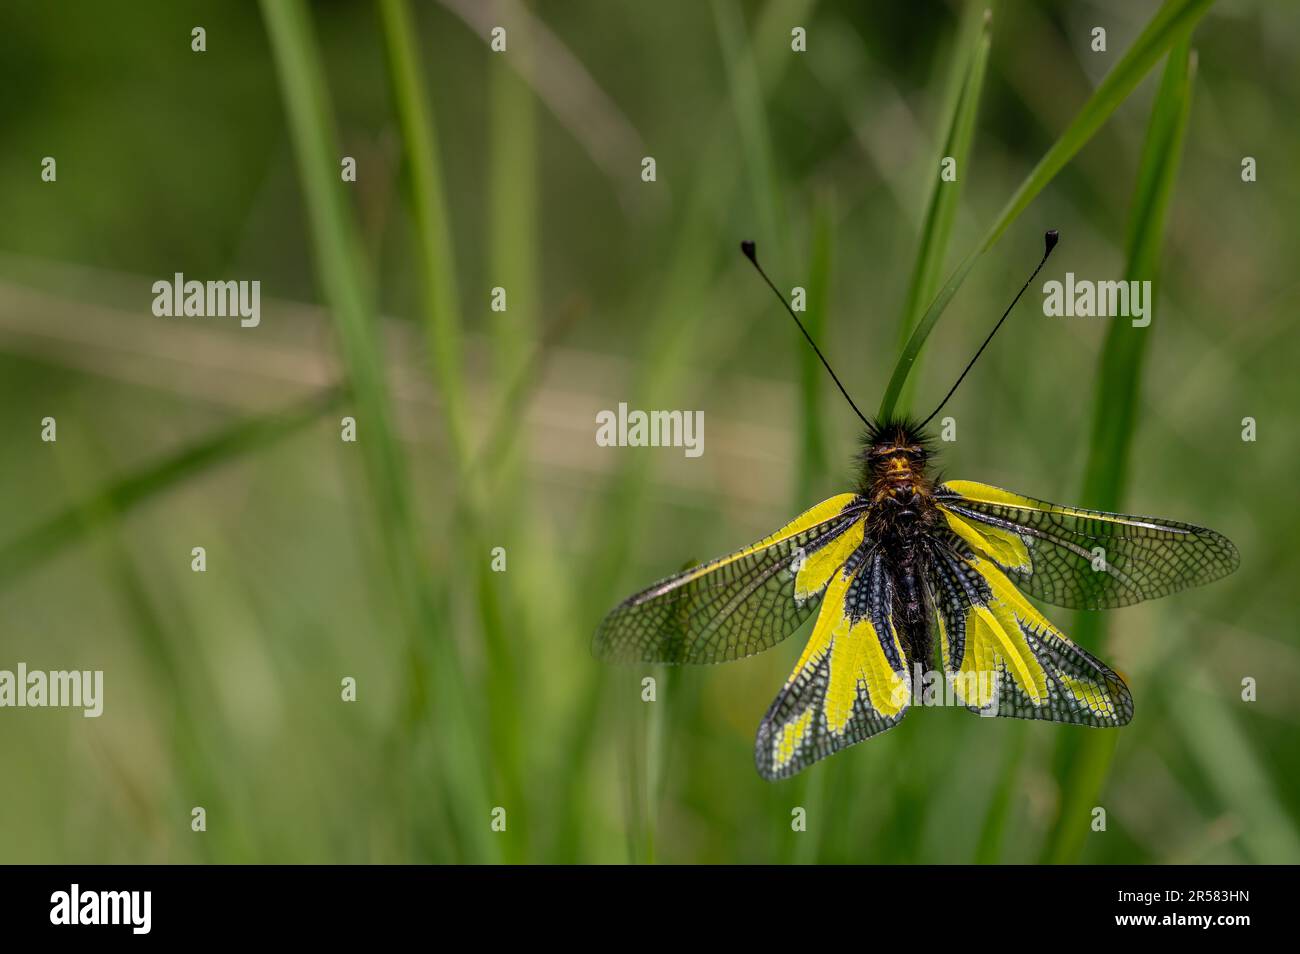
{"x":901,"y":515}
{"x":916,"y":579}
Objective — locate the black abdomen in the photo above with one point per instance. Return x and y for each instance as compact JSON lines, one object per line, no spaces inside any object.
{"x":904,"y":555}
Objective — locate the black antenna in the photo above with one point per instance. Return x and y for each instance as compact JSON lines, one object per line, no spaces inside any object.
{"x":1049,"y":243}
{"x":751,"y":253}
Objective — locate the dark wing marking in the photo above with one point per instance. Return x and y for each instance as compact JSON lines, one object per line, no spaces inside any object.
{"x":850,"y":683}
{"x":1002,"y":657}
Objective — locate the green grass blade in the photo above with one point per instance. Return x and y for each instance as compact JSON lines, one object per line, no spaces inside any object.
{"x":513,"y":215}
{"x":119,"y":497}
{"x":941,"y":207}
{"x":746,"y":87}
{"x":514,"y":173}
{"x":667,"y":338}
{"x":747,"y":98}
{"x":1114,"y":418}
{"x":441,"y":311}
{"x":912,"y":351}
{"x":1084,"y":763}
{"x":437,"y":690}
{"x":1173,"y":21}
{"x":429,"y":211}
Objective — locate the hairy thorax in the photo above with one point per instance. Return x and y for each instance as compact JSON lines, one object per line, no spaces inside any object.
{"x":899,"y":489}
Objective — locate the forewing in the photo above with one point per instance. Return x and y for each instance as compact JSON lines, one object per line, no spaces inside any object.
{"x":1002,"y":657}
{"x":1083,"y":559}
{"x":740,"y":604}
{"x":851,"y":681}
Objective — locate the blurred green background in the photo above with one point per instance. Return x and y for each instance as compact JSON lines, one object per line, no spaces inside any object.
{"x":522,"y":169}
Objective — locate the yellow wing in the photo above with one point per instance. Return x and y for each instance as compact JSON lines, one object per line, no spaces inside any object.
{"x":740,"y":604}
{"x":1083,"y":559}
{"x":851,"y":681}
{"x":1004,"y":658}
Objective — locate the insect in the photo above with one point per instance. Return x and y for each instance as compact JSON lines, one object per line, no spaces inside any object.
{"x":911,"y":572}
